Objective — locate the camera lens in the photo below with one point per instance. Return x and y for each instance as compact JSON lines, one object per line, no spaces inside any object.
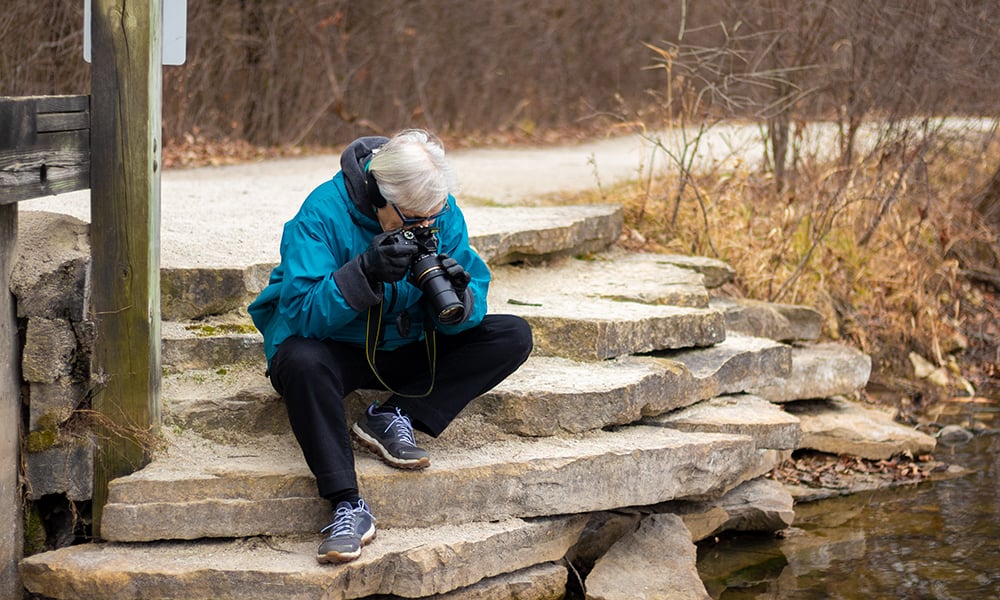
{"x":438,"y":292}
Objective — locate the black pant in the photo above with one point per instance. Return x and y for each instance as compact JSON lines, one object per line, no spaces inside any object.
{"x":314,"y":376}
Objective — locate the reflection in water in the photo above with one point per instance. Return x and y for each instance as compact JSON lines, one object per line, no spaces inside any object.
{"x":935,"y":540}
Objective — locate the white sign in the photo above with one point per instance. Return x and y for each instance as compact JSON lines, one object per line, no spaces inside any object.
{"x":174,"y":42}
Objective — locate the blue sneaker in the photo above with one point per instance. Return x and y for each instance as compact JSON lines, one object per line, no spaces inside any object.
{"x":353,"y":526}
{"x":390,"y":435}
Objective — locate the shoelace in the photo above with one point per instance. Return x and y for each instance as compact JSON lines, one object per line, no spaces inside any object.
{"x":402,"y":428}
{"x":343,"y":520}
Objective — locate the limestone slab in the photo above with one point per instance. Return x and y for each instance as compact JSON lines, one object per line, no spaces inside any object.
{"x":716,"y":273}
{"x":768,"y":424}
{"x":506,"y":234}
{"x":612,"y":274}
{"x":546,"y":396}
{"x":589,"y":309}
{"x":760,"y":504}
{"x":737,"y":364}
{"x":500,"y":235}
{"x":838,"y":426}
{"x":656,"y":562}
{"x":546,"y":581}
{"x":597,"y":329}
{"x":549,"y":395}
{"x":781,"y":322}
{"x":193,"y":293}
{"x":820,"y":371}
{"x":405,"y":562}
{"x":186,"y":346}
{"x":203,"y":489}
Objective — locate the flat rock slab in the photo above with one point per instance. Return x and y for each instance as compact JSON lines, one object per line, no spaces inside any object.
{"x":506,"y":234}
{"x":542,"y":582}
{"x":781,"y":322}
{"x":198,"y":292}
{"x":615,"y":304}
{"x":546,"y":396}
{"x":768,"y":424}
{"x":820,"y":371}
{"x":213,"y":283}
{"x":655,"y":562}
{"x":597,"y":329}
{"x":838,"y":426}
{"x":716,"y":273}
{"x":204,"y":489}
{"x":405,"y":562}
{"x":612,"y":275}
{"x":192,"y":346}
{"x":757,"y":505}
{"x":549,"y":395}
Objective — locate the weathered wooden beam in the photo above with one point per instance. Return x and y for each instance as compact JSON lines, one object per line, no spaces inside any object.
{"x":10,"y":414}
{"x":44,"y":146}
{"x":126,"y":81}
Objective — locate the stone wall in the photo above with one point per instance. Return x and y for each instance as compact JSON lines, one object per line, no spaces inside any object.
{"x":50,"y":282}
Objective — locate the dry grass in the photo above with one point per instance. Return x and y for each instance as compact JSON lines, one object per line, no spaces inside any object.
{"x":882,"y":249}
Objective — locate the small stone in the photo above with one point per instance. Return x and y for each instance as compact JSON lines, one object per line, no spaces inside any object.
{"x":954,"y":435}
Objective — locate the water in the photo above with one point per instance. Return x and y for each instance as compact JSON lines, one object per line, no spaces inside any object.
{"x":937,"y":540}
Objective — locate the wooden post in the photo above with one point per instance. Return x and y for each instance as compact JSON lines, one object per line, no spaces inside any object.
{"x":126,"y":80}
{"x":10,"y":413}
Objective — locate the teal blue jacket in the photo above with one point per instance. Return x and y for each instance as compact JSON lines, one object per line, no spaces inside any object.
{"x":318,"y":290}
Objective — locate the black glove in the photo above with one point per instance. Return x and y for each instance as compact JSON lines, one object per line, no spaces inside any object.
{"x":459,"y":277}
{"x":386,"y":260}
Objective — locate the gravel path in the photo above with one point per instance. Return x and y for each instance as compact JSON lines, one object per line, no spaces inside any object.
{"x":212,"y":214}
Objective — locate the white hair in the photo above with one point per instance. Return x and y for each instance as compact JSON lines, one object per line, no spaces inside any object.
{"x":412,"y":171}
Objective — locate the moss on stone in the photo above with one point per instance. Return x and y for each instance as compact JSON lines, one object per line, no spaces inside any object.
{"x":41,"y":440}
{"x":34,"y":531}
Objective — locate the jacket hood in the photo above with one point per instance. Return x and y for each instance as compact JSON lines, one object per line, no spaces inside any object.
{"x":352,"y":164}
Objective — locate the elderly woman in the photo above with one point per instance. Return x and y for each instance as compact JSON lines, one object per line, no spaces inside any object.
{"x":344,"y":310}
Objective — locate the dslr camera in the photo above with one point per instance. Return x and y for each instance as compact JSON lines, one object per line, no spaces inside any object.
{"x":427,"y":273}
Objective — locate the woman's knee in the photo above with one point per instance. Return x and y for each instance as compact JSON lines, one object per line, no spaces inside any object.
{"x":298,"y":360}
{"x":516,"y":333}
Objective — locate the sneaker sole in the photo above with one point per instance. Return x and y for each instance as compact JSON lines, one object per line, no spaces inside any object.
{"x":372,"y":444}
{"x":343,"y":557}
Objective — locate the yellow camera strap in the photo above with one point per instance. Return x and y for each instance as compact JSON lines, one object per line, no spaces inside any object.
{"x":373,"y":333}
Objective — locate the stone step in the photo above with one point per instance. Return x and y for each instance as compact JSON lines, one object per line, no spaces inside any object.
{"x":500,"y":234}
{"x":839,"y":426}
{"x":598,"y":329}
{"x":204,"y":489}
{"x":781,"y":322}
{"x":610,"y":275}
{"x":820,"y":371}
{"x":767,"y":423}
{"x":400,"y":562}
{"x":215,"y":343}
{"x":633,"y":303}
{"x":549,"y":396}
{"x":546,"y":396}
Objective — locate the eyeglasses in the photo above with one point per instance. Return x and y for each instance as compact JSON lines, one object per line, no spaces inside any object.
{"x":410,"y":221}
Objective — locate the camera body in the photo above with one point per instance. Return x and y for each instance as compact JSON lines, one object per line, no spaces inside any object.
{"x":427,"y":273}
